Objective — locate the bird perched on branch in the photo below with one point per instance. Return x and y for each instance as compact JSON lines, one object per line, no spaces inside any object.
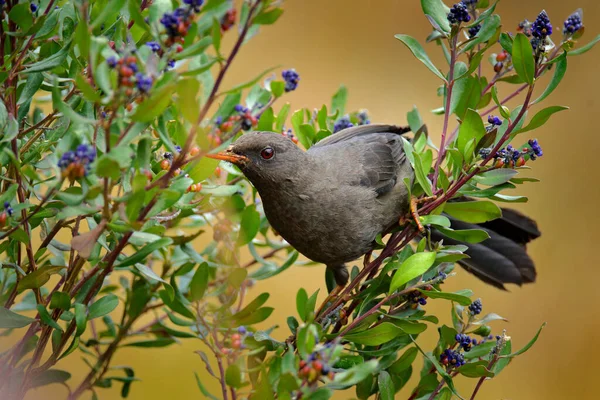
{"x":331,"y":201}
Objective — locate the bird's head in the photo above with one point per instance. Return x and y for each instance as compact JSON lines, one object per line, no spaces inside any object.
{"x":264,"y":157}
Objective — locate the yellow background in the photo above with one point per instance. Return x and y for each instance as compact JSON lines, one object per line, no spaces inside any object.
{"x":331,"y":42}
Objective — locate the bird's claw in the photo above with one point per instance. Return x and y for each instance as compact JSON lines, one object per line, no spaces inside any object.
{"x":414,"y":202}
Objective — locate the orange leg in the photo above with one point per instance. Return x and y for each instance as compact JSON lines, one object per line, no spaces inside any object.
{"x":414,"y":203}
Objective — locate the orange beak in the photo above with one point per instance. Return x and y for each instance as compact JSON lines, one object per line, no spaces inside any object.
{"x":230,"y":156}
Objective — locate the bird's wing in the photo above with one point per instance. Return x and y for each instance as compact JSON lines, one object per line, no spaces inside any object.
{"x":503,"y":257}
{"x":361,"y":130}
{"x":376,"y":152}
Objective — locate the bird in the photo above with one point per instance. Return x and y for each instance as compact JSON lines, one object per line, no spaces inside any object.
{"x":331,"y":201}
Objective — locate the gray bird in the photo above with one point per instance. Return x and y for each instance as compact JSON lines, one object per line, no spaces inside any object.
{"x":331,"y":201}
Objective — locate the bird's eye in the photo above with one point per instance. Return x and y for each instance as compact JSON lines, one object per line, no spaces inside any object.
{"x":267,"y":153}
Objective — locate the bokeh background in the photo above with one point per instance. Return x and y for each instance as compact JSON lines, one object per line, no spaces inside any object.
{"x":333,"y":42}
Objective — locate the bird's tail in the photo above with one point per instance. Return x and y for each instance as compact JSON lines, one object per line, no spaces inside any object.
{"x":503,"y":257}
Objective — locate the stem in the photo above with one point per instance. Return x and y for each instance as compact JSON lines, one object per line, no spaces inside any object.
{"x":437,"y":389}
{"x":450,"y":85}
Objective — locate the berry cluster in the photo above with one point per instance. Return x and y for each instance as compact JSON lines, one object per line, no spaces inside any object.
{"x":500,"y":58}
{"x":228,"y":19}
{"x":244,"y":117}
{"x":474,"y":30}
{"x":459,"y":13}
{"x":492,"y":119}
{"x":154,"y":46}
{"x":541,"y":27}
{"x":342,"y":123}
{"x":452,"y":358}
{"x":291,"y":78}
{"x":363,"y":118}
{"x":178,"y":22}
{"x":475,"y":307}
{"x":8,"y":209}
{"x":237,"y":340}
{"x":129,"y":74}
{"x":289,"y":134}
{"x":76,"y":164}
{"x":524,"y":27}
{"x":314,"y":368}
{"x":8,"y":212}
{"x":535,"y":151}
{"x":573,"y":24}
{"x":513,"y":157}
{"x":465,"y":341}
{"x":415,"y":298}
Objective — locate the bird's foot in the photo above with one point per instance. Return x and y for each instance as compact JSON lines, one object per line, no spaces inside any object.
{"x":414,"y":214}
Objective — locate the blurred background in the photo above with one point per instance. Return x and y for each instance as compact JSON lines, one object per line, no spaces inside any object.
{"x":337,"y":42}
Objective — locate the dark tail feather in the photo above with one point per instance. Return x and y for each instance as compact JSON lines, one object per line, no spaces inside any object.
{"x":503,"y":257}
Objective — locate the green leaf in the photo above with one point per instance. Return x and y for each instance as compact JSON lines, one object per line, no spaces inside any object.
{"x":421,"y":175}
{"x":495,"y":176}
{"x":414,"y":119}
{"x":199,"y":282}
{"x":522,"y":56}
{"x":489,"y":318}
{"x":437,"y":220}
{"x":47,"y":318}
{"x":460,"y":299}
{"x":559,"y":73}
{"x":103,"y":306}
{"x":473,"y":211}
{"x":216,"y":35}
{"x":21,"y":15}
{"x":10,"y":319}
{"x":585,"y":48}
{"x":353,"y":375}
{"x":252,"y":306}
{"x":144,"y":252}
{"x":50,"y":62}
{"x":301,"y":299}
{"x":256,"y":317}
{"x":50,"y":376}
{"x":404,"y":362}
{"x":148,"y":273}
{"x":80,"y":318}
{"x":154,"y":105}
{"x":268,"y":17}
{"x":338,"y":101}
{"x":386,"y":386}
{"x":233,"y":376}
{"x":297,"y":120}
{"x":414,"y":266}
{"x":541,"y":118}
{"x":475,"y":370}
{"x":265,"y":123}
{"x":203,"y":169}
{"x":33,"y":83}
{"x":60,"y":300}
{"x":506,"y":42}
{"x":38,"y":278}
{"x":160,"y":342}
{"x":418,"y":51}
{"x":438,"y":11}
{"x":409,"y":327}
{"x":187,"y":90}
{"x":465,"y":235}
{"x":528,"y":345}
{"x":249,"y":225}
{"x":471,"y":128}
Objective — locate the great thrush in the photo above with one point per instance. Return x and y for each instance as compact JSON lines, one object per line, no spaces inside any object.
{"x":331,"y":201}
